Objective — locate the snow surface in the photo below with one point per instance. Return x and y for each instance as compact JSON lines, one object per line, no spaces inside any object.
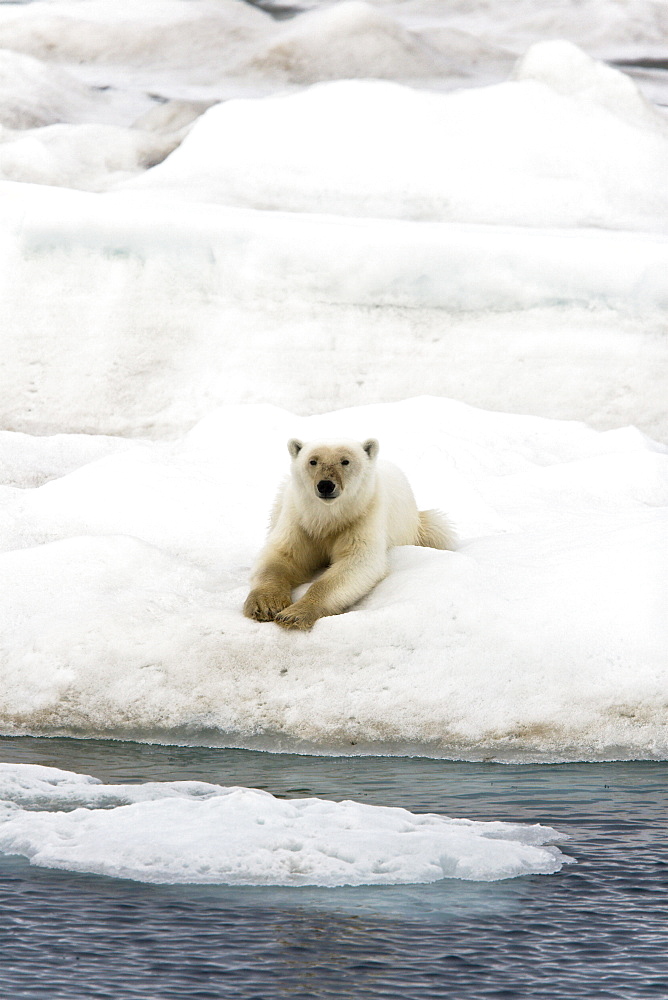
{"x":515,"y":234}
{"x":203,"y":255}
{"x":33,"y":94}
{"x":542,"y":637}
{"x":191,"y":831}
{"x":568,"y":142}
{"x":83,"y":156}
{"x":180,"y":48}
{"x":173,"y":309}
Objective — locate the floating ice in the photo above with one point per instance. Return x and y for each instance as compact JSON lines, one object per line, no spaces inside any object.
{"x":148,"y":33}
{"x":346,"y":40}
{"x":173,"y":309}
{"x":606,"y":27}
{"x":124,"y":564}
{"x":543,"y":637}
{"x":89,"y":157}
{"x":202,"y":49}
{"x":521,"y":153}
{"x":190,"y":831}
{"x":568,"y":70}
{"x":188,"y":48}
{"x":33,"y":94}
{"x":26,"y":460}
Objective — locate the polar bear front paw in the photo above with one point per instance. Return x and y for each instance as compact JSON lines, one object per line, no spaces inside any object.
{"x":264,"y":605}
{"x":298,"y":616}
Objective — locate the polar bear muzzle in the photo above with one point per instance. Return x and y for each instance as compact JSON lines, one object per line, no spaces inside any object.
{"x":327,"y":490}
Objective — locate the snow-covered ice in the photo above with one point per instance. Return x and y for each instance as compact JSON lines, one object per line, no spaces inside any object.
{"x":180,"y":48}
{"x":219,"y":230}
{"x":191,"y":831}
{"x":172,"y":309}
{"x":516,"y":234}
{"x":82,"y":156}
{"x":542,"y":637}
{"x":33,"y":93}
{"x":568,"y":142}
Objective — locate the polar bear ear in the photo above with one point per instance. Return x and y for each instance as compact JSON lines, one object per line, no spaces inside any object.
{"x":295,"y":446}
{"x":371,"y":447}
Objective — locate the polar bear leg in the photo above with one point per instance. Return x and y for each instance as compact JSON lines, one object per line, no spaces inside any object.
{"x":273,"y":582}
{"x":288,"y":559}
{"x":346,"y":581}
{"x":266,"y":600}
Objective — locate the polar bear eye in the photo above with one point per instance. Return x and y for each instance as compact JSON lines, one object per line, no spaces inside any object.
{"x":344,"y":461}
{"x":313,"y":462}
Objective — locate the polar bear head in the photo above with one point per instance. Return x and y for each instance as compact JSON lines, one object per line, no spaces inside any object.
{"x":328,"y":469}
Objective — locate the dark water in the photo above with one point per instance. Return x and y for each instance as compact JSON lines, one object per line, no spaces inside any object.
{"x":596,"y":929}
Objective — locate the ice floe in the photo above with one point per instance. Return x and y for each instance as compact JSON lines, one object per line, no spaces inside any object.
{"x":347,"y":40}
{"x":173,"y":309}
{"x":194,"y":832}
{"x":522,"y":153}
{"x":542,"y":637}
{"x":88,"y":157}
{"x":33,"y":94}
{"x":258,"y":251}
{"x":201,"y":49}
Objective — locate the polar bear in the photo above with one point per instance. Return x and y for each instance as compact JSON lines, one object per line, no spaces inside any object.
{"x":340,"y":511}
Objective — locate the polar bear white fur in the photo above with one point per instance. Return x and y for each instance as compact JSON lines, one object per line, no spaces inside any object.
{"x":340,"y":511}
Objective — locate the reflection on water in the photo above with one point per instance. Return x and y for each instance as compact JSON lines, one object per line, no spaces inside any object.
{"x":596,"y":929}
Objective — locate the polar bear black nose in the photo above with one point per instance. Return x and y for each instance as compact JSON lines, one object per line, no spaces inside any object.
{"x":325,"y":487}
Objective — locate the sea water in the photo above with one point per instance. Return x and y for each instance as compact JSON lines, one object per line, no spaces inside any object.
{"x":597,"y":928}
